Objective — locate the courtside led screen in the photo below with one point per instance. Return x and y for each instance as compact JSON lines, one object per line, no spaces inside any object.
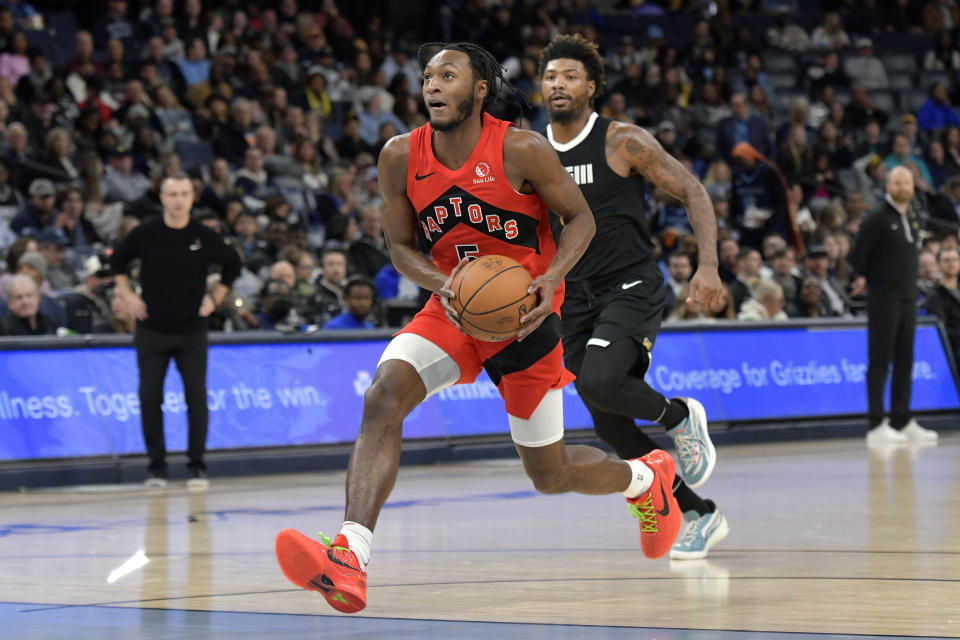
{"x":74,"y":402}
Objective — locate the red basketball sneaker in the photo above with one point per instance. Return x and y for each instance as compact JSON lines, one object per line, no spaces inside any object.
{"x":657,"y":509}
{"x":331,"y":569}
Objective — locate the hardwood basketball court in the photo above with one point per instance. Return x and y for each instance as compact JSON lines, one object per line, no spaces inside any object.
{"x":827,"y":540}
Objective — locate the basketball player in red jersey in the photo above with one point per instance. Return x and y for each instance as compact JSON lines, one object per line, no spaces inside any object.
{"x":468,"y":184}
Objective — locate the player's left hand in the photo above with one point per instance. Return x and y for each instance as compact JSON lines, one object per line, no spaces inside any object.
{"x":544,"y":287}
{"x":446,"y":295}
{"x":207,"y":306}
{"x":706,"y":289}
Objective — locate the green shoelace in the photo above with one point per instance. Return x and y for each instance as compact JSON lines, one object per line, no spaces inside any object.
{"x":328,"y":542}
{"x":646,"y":514}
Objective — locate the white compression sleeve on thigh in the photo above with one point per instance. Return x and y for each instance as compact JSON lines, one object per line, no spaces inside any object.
{"x":544,"y":427}
{"x":436,"y":368}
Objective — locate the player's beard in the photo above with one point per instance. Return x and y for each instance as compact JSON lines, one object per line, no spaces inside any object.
{"x":464,"y":111}
{"x":562,"y":116}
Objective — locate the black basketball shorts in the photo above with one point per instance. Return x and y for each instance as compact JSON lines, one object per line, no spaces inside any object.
{"x":631,"y":307}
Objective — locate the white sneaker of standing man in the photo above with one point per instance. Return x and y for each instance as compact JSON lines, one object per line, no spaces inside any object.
{"x":919,"y":435}
{"x":884,"y":435}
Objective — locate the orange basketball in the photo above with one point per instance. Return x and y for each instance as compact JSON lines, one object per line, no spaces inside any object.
{"x":490,"y":296}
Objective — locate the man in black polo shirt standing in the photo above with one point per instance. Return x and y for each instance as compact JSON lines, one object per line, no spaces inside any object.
{"x":175,"y":256}
{"x":885,"y":253}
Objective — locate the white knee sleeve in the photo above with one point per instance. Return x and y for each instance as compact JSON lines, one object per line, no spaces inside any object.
{"x":544,"y":427}
{"x":436,"y":368}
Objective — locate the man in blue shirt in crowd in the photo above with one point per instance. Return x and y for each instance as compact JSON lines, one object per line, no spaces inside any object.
{"x":742,"y":126}
{"x":358,"y":297}
{"x":937,"y":112}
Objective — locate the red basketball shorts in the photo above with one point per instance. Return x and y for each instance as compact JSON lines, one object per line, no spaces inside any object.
{"x":523,"y":371}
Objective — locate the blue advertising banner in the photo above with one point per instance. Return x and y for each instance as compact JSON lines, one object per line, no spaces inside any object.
{"x":83,"y":401}
{"x":791,"y":372}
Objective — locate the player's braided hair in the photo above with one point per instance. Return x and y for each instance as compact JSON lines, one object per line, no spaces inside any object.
{"x":576,"y":47}
{"x":483,"y":64}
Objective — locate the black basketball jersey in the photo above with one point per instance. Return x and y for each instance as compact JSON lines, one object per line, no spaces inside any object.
{"x":622,"y":240}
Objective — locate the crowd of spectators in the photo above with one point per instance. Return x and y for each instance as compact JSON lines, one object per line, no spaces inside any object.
{"x":791,"y":112}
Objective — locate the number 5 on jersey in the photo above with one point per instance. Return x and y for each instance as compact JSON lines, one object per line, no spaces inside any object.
{"x":471,"y":251}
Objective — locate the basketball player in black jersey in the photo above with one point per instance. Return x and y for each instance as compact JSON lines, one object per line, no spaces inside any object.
{"x":616,"y":292}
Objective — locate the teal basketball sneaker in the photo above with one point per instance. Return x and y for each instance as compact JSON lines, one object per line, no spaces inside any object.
{"x":696,"y":455}
{"x":702,"y":533}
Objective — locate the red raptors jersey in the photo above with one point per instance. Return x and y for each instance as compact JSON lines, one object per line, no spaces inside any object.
{"x":474,"y":210}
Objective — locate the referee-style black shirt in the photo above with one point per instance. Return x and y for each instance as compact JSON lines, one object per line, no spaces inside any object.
{"x":887,"y":253}
{"x":174,"y":264}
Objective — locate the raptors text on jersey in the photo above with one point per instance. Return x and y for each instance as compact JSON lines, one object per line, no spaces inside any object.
{"x":474,"y":210}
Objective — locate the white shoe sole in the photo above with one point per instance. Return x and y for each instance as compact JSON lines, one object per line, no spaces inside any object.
{"x":887,"y":442}
{"x":694,"y":406}
{"x":198,"y":484}
{"x":718,"y":534}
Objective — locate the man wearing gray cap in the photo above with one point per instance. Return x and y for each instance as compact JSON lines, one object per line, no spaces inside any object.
{"x":88,"y":309}
{"x":60,"y":274}
{"x":39,"y":212}
{"x":866,"y":68}
{"x":121,"y":181}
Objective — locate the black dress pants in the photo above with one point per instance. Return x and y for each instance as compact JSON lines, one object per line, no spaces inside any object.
{"x":189,"y":351}
{"x":891,"y":325}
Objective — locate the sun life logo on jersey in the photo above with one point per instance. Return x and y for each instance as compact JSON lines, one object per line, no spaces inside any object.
{"x":482,"y":170}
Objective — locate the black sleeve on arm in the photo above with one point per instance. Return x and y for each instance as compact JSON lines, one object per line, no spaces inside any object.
{"x":125,"y":252}
{"x":934,"y":306}
{"x":780,"y":208}
{"x":228,"y":259}
{"x":859,"y":257}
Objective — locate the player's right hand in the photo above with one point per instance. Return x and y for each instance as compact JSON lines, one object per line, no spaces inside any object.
{"x":544,"y":287}
{"x":446,"y":295}
{"x":136,"y":306}
{"x":858,"y":287}
{"x":706,"y":289}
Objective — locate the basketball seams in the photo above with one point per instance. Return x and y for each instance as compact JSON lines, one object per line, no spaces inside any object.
{"x":461,"y":275}
{"x":509,"y":304}
{"x":488,"y":281}
{"x":509,"y":332}
{"x":472,"y":322}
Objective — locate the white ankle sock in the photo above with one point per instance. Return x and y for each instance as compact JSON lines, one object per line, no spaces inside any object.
{"x":641,"y":481}
{"x":359,"y":538}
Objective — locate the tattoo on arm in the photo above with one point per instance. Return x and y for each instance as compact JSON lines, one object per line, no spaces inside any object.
{"x":649,"y":159}
{"x":645,"y":156}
